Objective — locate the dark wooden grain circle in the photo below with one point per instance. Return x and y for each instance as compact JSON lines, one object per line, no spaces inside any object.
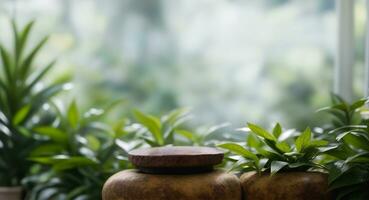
{"x":175,"y":159}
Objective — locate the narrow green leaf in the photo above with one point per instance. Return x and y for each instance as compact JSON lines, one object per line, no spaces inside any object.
{"x":16,"y":40}
{"x":261,"y":132}
{"x":73,"y":114}
{"x":239,"y":150}
{"x":26,"y":64}
{"x":23,"y":36}
{"x":39,"y":76}
{"x":21,"y":115}
{"x":6,"y":64}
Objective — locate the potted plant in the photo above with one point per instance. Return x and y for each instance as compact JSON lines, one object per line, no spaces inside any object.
{"x":348,"y":156}
{"x":278,"y":165}
{"x":79,"y":154}
{"x":21,"y":108}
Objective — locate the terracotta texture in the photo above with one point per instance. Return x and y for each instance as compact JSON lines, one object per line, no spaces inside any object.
{"x":10,"y":193}
{"x":285,"y":186}
{"x":132,"y":185}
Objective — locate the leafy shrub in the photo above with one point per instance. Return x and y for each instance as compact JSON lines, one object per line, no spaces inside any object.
{"x":21,"y":105}
{"x":268,"y":151}
{"x":160,"y":131}
{"x":349,"y":152}
{"x":82,"y":152}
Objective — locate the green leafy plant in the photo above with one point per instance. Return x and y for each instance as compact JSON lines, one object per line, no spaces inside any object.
{"x":82,"y":152}
{"x":349,"y":153}
{"x":270,"y":152}
{"x":157,"y":131}
{"x":205,"y":136}
{"x":22,"y":97}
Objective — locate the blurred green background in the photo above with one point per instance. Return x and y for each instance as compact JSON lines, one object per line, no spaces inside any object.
{"x":229,"y":60}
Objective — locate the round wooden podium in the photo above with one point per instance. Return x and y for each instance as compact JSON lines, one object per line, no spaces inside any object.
{"x":179,"y":173}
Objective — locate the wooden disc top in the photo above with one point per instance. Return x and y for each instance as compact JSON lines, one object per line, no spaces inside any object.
{"x":175,"y":158}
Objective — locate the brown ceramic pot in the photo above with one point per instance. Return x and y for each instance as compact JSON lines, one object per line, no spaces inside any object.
{"x":10,"y":193}
{"x":285,"y":186}
{"x":173,"y":173}
{"x":133,"y":185}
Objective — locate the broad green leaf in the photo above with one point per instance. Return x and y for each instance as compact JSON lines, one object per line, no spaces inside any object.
{"x":270,"y":155}
{"x":21,"y":115}
{"x":343,"y":107}
{"x":356,"y":141}
{"x":273,"y":145}
{"x":362,"y":157}
{"x":54,"y":134}
{"x":303,"y":140}
{"x":358,"y":104}
{"x":261,"y":132}
{"x":175,"y":116}
{"x":277,"y":130}
{"x":350,"y":177}
{"x":101,"y":128}
{"x":73,"y":114}
{"x":152,"y":123}
{"x":63,"y":162}
{"x":283,"y":146}
{"x":93,"y":143}
{"x":74,"y":162}
{"x":318,"y":143}
{"x":239,"y":150}
{"x":336,"y":99}
{"x":47,"y":150}
{"x":275,"y":166}
{"x":118,"y":128}
{"x":253,"y":141}
{"x":150,"y":142}
{"x":187,"y":134}
{"x":339,"y":151}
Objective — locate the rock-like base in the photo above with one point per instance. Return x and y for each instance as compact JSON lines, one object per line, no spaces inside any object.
{"x":133,"y":185}
{"x":285,"y":186}
{"x":10,"y":193}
